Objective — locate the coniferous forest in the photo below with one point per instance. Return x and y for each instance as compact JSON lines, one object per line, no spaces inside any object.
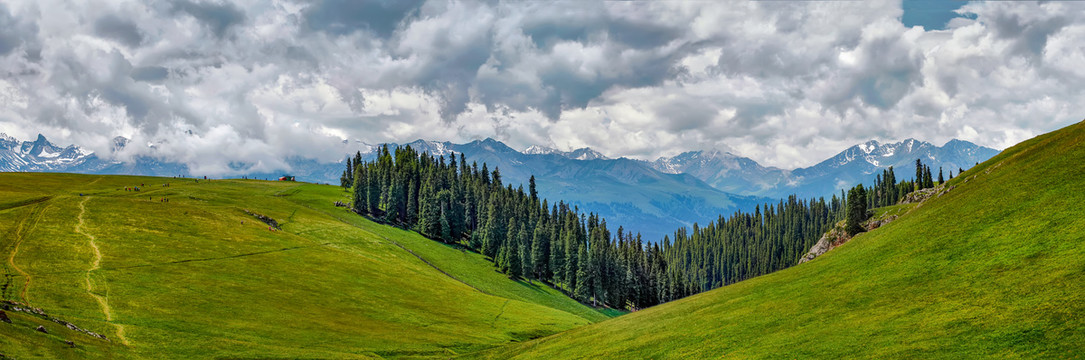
{"x":530,"y":238}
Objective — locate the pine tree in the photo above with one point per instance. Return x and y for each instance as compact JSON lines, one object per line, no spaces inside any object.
{"x":940,"y":179}
{"x":572,"y":260}
{"x":531,"y":187}
{"x":540,"y":243}
{"x":495,"y":231}
{"x":347,"y":180}
{"x":359,"y":190}
{"x":429,"y":217}
{"x":918,"y":175}
{"x":446,"y":231}
{"x":373,"y":191}
{"x":527,"y":261}
{"x":928,"y":182}
{"x":496,"y":181}
{"x":856,"y":210}
{"x":583,"y":284}
{"x":512,"y":249}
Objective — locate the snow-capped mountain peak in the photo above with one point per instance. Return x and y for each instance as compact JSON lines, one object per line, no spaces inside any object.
{"x":39,"y":155}
{"x":540,"y":150}
{"x":585,"y":154}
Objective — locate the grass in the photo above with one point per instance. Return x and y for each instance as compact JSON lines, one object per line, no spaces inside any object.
{"x":993,"y":269}
{"x":893,"y":210}
{"x":199,"y":278}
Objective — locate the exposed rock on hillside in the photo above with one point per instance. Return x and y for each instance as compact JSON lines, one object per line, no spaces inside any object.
{"x":18,"y":307}
{"x":266,"y":219}
{"x":837,"y":236}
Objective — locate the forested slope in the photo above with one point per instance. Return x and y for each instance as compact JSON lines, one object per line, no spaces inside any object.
{"x":993,"y":268}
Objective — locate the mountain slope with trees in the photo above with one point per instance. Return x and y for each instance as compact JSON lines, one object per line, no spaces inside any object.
{"x":993,"y":267}
{"x":526,"y":237}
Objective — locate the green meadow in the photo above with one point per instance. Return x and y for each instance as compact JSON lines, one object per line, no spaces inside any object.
{"x":994,"y":268}
{"x":198,"y":277}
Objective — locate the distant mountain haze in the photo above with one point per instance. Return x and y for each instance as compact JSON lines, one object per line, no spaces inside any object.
{"x":859,"y":163}
{"x":651,"y":197}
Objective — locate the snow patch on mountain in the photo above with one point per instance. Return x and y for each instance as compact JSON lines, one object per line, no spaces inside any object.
{"x":585,"y":153}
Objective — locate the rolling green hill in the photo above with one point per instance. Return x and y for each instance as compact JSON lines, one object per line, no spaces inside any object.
{"x":994,"y":268}
{"x":198,"y":277}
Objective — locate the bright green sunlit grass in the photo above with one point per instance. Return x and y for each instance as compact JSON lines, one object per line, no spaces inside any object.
{"x":993,"y":269}
{"x":199,"y":278}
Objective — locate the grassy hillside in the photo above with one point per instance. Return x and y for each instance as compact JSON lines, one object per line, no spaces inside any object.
{"x":197,"y":277}
{"x":994,"y":268}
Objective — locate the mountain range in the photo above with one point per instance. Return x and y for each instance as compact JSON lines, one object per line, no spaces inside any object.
{"x":650,"y":197}
{"x":859,"y":163}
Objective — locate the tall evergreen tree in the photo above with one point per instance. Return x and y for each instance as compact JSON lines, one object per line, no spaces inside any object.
{"x":531,"y":187}
{"x":358,"y":204}
{"x":918,"y":174}
{"x":540,"y":244}
{"x":512,"y":249}
{"x":583,"y":282}
{"x":857,"y":212}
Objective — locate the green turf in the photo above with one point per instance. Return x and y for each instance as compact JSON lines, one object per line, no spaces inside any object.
{"x":993,"y":269}
{"x":188,"y":279}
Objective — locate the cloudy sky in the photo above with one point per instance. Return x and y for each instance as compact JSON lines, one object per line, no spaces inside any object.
{"x":785,"y":83}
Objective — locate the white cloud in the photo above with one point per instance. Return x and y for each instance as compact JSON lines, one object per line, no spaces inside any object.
{"x":786,"y":83}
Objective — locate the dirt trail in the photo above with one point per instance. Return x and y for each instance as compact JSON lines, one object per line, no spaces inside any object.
{"x":20,"y":234}
{"x":103,"y":301}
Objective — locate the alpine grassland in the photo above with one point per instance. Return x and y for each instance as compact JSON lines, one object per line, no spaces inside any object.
{"x":991,"y":267}
{"x":187,"y":269}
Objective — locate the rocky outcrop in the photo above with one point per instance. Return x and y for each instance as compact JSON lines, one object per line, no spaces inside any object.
{"x":827,"y":242}
{"x":18,"y":307}
{"x":266,"y":219}
{"x":837,"y":236}
{"x":4,"y":317}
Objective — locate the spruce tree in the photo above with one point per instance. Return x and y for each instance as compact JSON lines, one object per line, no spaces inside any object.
{"x":940,"y":179}
{"x":918,"y":175}
{"x":572,"y":260}
{"x":527,"y":261}
{"x":928,"y":182}
{"x":512,"y":249}
{"x":359,"y":190}
{"x":540,"y":243}
{"x":373,"y":191}
{"x":583,"y":284}
{"x":446,"y":231}
{"x":856,"y":210}
{"x":531,"y":187}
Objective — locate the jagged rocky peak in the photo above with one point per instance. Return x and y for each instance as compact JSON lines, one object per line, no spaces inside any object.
{"x":585,"y":153}
{"x":8,"y":142}
{"x":41,"y":147}
{"x":540,"y":150}
{"x":119,"y":143}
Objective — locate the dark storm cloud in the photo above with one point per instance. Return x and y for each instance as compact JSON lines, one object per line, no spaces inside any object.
{"x":218,"y":17}
{"x":121,"y":30}
{"x":343,"y":17}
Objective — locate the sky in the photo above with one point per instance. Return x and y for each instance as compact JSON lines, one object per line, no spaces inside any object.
{"x":216,"y":84}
